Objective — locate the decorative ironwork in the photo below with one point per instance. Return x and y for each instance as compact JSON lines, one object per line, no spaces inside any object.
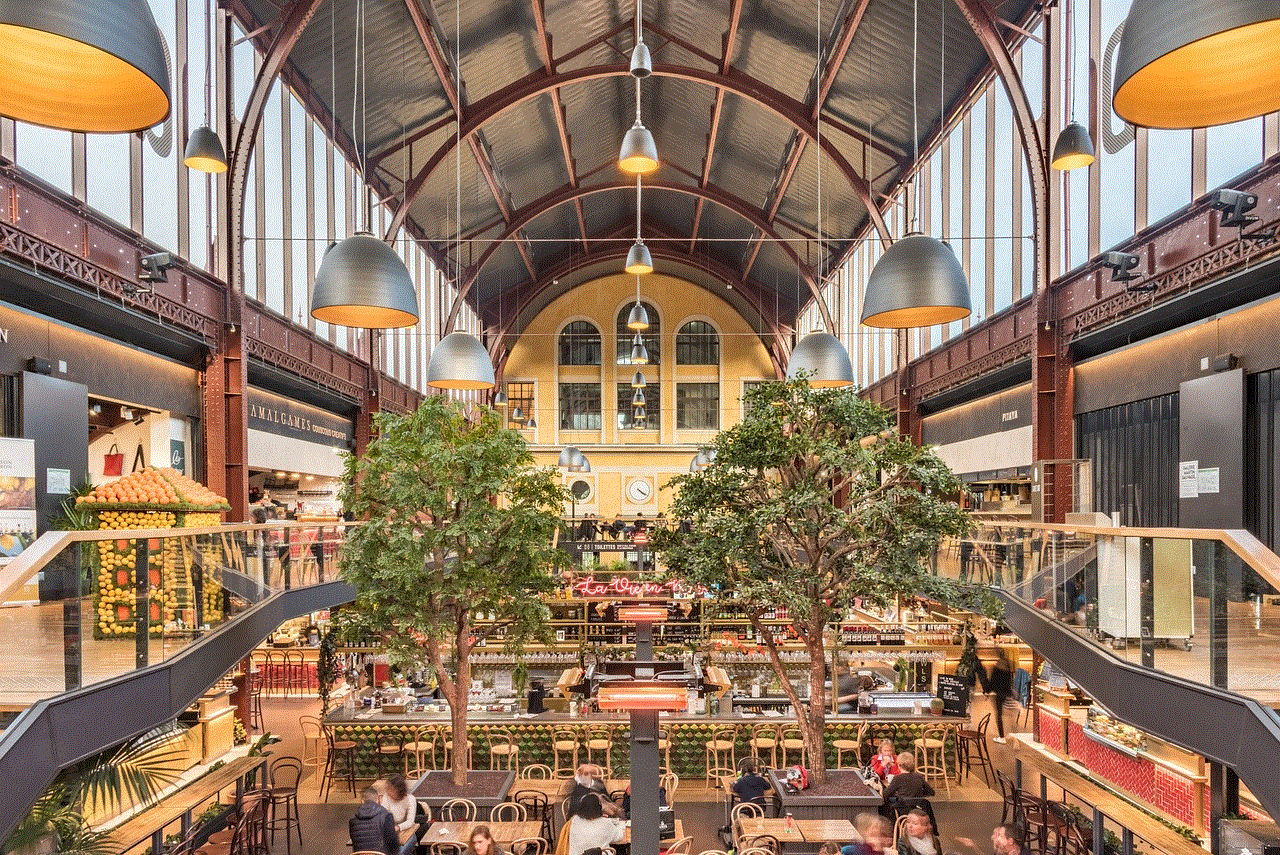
{"x":274,"y":356}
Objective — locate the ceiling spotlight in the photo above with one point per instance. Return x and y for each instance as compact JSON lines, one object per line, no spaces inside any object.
{"x":95,"y":409}
{"x":126,"y":413}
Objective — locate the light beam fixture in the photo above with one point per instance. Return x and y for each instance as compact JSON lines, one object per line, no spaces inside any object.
{"x":1073,"y":148}
{"x":1192,"y":65}
{"x":83,"y":65}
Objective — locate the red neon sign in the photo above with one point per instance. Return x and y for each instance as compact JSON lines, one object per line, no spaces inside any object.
{"x":620,"y":586}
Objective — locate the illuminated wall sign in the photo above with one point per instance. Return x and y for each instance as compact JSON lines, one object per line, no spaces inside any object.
{"x":274,"y":414}
{"x":621,"y":586}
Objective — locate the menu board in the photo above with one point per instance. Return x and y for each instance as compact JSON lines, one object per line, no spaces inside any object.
{"x":954,"y":692}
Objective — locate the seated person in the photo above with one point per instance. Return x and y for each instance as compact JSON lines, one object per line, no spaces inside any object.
{"x":752,"y":786}
{"x":626,"y":801}
{"x":372,"y":828}
{"x":1008,"y":840}
{"x":919,"y":838}
{"x":907,"y":784}
{"x":404,"y":810}
{"x":847,"y":687}
{"x":885,"y":763}
{"x":482,"y":842}
{"x":591,"y":829}
{"x":876,"y":833}
{"x":589,"y":780}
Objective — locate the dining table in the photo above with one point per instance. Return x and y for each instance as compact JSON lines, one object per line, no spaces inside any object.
{"x":504,"y":833}
{"x":799,"y":831}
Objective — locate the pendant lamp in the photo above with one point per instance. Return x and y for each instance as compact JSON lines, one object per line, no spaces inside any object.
{"x":639,"y":417}
{"x":363,"y":283}
{"x":639,"y":261}
{"x":822,"y":359}
{"x":572,"y":459}
{"x":637,"y":380}
{"x":460,"y":361}
{"x":918,"y":282}
{"x":499,"y":398}
{"x":639,"y":153}
{"x":1191,"y":65}
{"x":517,"y":415}
{"x":531,"y":424}
{"x":641,"y":63}
{"x":639,"y":318}
{"x":639,"y":353}
{"x":637,"y":398}
{"x":1073,"y":149}
{"x":83,"y":65}
{"x":204,"y":151}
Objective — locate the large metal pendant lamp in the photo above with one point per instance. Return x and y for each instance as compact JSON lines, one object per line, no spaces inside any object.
{"x":83,"y":65}
{"x":822,"y":359}
{"x":1073,"y":148}
{"x":460,"y":361}
{"x":1191,"y":65}
{"x":638,"y":154}
{"x":204,"y":148}
{"x":573,"y":460}
{"x":918,"y":282}
{"x":363,"y":283}
{"x":639,"y":262}
{"x":639,"y":353}
{"x":641,"y":63}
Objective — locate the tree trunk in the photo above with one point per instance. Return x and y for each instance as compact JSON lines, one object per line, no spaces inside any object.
{"x":460,"y":755}
{"x":813,"y":725}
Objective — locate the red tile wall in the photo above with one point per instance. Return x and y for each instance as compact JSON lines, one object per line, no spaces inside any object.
{"x":1051,"y":732}
{"x":1174,"y":795}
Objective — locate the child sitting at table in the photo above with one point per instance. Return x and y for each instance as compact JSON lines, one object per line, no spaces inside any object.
{"x":885,"y":763}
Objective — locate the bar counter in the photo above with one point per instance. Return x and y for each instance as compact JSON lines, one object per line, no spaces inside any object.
{"x":686,"y":733}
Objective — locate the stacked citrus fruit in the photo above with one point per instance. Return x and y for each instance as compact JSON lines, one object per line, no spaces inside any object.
{"x":152,"y":488}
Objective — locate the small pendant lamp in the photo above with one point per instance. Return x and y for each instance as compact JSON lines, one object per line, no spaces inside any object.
{"x":639,"y":261}
{"x":1192,"y":65}
{"x":637,"y":380}
{"x":500,"y":399}
{"x":641,"y":63}
{"x":517,"y":415}
{"x":639,"y":417}
{"x":83,"y":65}
{"x":637,"y":398}
{"x":639,"y":353}
{"x":1073,"y":148}
{"x":822,"y":359}
{"x":460,"y":361}
{"x":532,"y":423}
{"x":204,"y":151}
{"x":363,"y":283}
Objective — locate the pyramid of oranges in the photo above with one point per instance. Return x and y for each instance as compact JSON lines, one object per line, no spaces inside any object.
{"x":153,"y":488}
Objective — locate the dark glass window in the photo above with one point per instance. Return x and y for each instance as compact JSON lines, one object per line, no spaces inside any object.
{"x":579,"y":406}
{"x":652,"y":337}
{"x":652,"y":402}
{"x":697,"y":344}
{"x":580,"y":344}
{"x":519,"y":395}
{"x":698,"y":406}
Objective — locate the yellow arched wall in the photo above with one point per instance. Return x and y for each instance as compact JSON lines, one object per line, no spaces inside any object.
{"x":620,"y":456}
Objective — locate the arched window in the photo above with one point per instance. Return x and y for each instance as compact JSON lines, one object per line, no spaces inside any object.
{"x":580,"y":344}
{"x":697,"y":344}
{"x":652,"y":337}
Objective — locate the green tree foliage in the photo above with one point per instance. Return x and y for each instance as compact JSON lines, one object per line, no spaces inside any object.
{"x":812,"y":500}
{"x":458,"y":525}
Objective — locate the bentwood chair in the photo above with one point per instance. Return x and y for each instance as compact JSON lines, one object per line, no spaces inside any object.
{"x":764,"y":738}
{"x":285,"y":773}
{"x":458,"y":810}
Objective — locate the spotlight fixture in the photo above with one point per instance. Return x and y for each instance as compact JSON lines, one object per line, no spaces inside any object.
{"x":95,"y":409}
{"x":151,"y":269}
{"x":1121,"y":265}
{"x":126,"y":413}
{"x":1235,"y":206}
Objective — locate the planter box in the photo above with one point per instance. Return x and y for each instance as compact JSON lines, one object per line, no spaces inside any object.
{"x":843,"y":796}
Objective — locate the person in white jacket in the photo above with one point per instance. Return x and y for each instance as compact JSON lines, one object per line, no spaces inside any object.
{"x":591,"y":829}
{"x":404,"y":810}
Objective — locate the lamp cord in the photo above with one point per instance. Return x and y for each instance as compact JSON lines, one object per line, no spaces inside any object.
{"x":638,"y":239}
{"x":457,"y":160}
{"x":1071,"y":58}
{"x":915,"y":111}
{"x":208,"y":67}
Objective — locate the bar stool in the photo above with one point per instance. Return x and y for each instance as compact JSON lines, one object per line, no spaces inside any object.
{"x":258,"y":664}
{"x":598,"y":739}
{"x":971,"y":743}
{"x":274,"y":669}
{"x":295,"y":666}
{"x":255,"y":702}
{"x":764,"y":737}
{"x":664,"y":745}
{"x":285,"y":774}
{"x":504,"y":752}
{"x":564,"y":747}
{"x":852,"y":746}
{"x":790,"y":739}
{"x":391,"y":753}
{"x":448,"y":752}
{"x":312,"y":733}
{"x":719,"y":751}
{"x":931,"y":754}
{"x":340,"y":761}
{"x":423,"y":746}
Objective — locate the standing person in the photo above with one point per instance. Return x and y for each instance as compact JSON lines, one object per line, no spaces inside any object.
{"x":1007,"y":840}
{"x":919,"y":839}
{"x":404,"y":810}
{"x":482,"y":842}
{"x":591,"y":829}
{"x":373,"y":829}
{"x":876,"y":833}
{"x":752,"y":786}
{"x":999,"y":684}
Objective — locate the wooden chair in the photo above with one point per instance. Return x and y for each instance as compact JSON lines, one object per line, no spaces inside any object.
{"x":683,"y":846}
{"x":899,"y":828}
{"x":458,"y":810}
{"x":285,"y":773}
{"x":295,"y":672}
{"x":446,"y":847}
{"x":931,"y":754}
{"x":536,"y":772}
{"x":971,"y":743}
{"x":744,"y":811}
{"x":1009,"y":812}
{"x":664,"y":746}
{"x":312,"y":735}
{"x":670,"y":782}
{"x":508,"y":812}
{"x":448,"y":752}
{"x":719,"y":751}
{"x":564,"y":749}
{"x":598,"y":740}
{"x":530,"y":846}
{"x":423,"y":747}
{"x":790,"y":739}
{"x":713,"y":852}
{"x":537,"y":806}
{"x":340,"y":761}
{"x":391,"y":753}
{"x":504,"y":752}
{"x":759,"y":843}
{"x":764,"y":737}
{"x":758,"y":850}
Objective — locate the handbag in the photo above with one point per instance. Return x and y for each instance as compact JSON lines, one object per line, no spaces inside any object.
{"x":139,"y":460}
{"x":113,"y":461}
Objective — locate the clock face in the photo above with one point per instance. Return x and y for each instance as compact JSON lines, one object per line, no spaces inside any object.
{"x":639,"y":491}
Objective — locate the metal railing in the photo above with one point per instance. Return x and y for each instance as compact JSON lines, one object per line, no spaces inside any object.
{"x":150,"y":619}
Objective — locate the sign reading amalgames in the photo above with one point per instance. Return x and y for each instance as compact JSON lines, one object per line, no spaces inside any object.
{"x":274,"y":414}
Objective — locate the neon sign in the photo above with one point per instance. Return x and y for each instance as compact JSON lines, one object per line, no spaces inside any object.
{"x":620,"y":586}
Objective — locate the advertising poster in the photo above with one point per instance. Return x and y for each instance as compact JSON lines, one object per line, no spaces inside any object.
{"x":17,"y":498}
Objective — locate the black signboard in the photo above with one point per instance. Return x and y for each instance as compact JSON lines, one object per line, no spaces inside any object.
{"x":954,"y":692}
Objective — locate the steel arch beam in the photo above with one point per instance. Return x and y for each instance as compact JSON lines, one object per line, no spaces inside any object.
{"x":710,"y":193}
{"x":786,"y":108}
{"x":664,"y":252}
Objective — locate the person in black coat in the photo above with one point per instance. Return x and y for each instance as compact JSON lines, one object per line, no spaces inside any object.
{"x":373,"y":828}
{"x":999,"y":683}
{"x":752,"y":786}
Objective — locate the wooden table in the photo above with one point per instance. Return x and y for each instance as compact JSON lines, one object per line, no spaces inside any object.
{"x":558,"y":789}
{"x":505,"y":833}
{"x":775,"y":827}
{"x":151,"y":823}
{"x":821,"y":830}
{"x":803,"y":834}
{"x":626,"y":837}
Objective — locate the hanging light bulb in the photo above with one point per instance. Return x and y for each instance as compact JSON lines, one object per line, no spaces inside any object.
{"x":639,"y":353}
{"x":637,"y":380}
{"x":637,"y":398}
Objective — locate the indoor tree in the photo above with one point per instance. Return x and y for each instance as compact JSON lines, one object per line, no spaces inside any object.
{"x":456,"y":542}
{"x":810,"y":501}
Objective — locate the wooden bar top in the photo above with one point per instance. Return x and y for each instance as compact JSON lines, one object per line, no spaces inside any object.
{"x":377,"y":718}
